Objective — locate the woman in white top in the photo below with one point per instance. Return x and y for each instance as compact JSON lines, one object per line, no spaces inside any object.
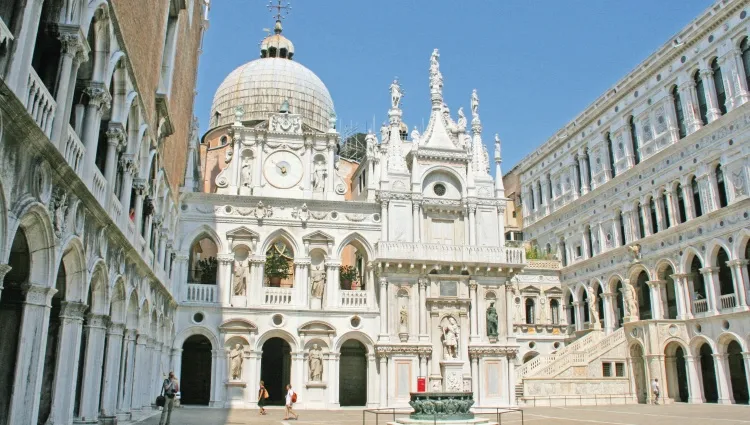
{"x":289,"y":402}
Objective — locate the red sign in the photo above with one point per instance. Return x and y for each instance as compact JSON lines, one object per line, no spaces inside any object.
{"x":421,"y":384}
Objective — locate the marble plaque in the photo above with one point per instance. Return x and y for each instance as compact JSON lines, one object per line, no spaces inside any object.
{"x":448,"y":289}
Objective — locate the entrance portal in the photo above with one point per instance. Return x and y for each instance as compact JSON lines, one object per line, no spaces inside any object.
{"x":195,"y":376}
{"x":275,"y":369}
{"x":353,"y":374}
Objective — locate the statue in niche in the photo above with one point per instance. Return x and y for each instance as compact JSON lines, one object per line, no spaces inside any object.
{"x":235,"y":359}
{"x":319,"y":176}
{"x":315,"y":363}
{"x":492,"y":320}
{"x":396,"y":94}
{"x":403,"y":319}
{"x":461,"y":124}
{"x":241,"y":272}
{"x":317,"y":282}
{"x":451,"y":332}
{"x":246,"y":174}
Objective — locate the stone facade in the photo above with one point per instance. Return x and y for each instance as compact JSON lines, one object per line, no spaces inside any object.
{"x":87,"y":204}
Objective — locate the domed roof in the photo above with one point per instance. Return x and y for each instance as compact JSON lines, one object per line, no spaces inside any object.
{"x":261,"y":86}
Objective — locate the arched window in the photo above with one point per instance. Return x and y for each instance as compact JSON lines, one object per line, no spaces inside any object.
{"x":726,"y":283}
{"x":563,"y":254}
{"x":652,"y":210}
{"x":203,"y":262}
{"x":701,"y":90}
{"x":665,"y":203}
{"x":279,"y":270}
{"x":696,"y":277}
{"x":696,"y":197}
{"x":681,"y":127}
{"x":577,"y":166}
{"x":540,"y":193}
{"x":721,"y":185}
{"x":644,"y":297}
{"x":641,"y":225}
{"x":549,"y":186}
{"x":571,"y":311}
{"x":721,"y":94}
{"x":745,"y":48}
{"x":591,"y":241}
{"x":634,"y":141}
{"x":611,"y":152}
{"x":681,"y":211}
{"x":554,"y":309}
{"x":533,"y":198}
{"x":587,"y":161}
{"x":529,"y":311}
{"x":622,"y":229}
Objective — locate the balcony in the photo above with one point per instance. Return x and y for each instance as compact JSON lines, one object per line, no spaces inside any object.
{"x":99,"y":188}
{"x":728,"y":301}
{"x":199,"y":293}
{"x":353,"y":299}
{"x":277,"y":296}
{"x":74,"y":151}
{"x":462,"y":254}
{"x":700,"y":306}
{"x":39,"y":103}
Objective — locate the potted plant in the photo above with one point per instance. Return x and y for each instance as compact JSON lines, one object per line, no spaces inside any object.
{"x":207,"y":269}
{"x":277,"y":268}
{"x":347,"y":274}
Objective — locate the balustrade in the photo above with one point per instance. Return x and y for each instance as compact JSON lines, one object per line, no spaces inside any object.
{"x":116,"y":211}
{"x":700,"y":306}
{"x":353,"y":299}
{"x":99,"y":188}
{"x":277,"y":296}
{"x":74,"y":151}
{"x":465,"y":254}
{"x":728,"y":301}
{"x":199,"y":293}
{"x":40,"y":103}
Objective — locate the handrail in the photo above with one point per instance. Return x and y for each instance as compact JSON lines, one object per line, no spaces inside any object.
{"x":596,"y":397}
{"x":499,"y":412}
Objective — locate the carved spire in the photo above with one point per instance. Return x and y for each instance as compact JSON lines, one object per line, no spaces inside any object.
{"x":436,"y":80}
{"x":396,"y":160}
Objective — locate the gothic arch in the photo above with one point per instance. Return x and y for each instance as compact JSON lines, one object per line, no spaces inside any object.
{"x":277,"y":333}
{"x":662,"y":264}
{"x":117,"y":306}
{"x":358,"y":238}
{"x":738,"y":248}
{"x":131,"y":314}
{"x":280,"y":234}
{"x":687,"y":257}
{"x":725,"y":338}
{"x":73,"y":258}
{"x":358,"y":336}
{"x":568,"y":293}
{"x":36,"y":225}
{"x":202,"y":230}
{"x":594,"y":284}
{"x":144,"y":318}
{"x":636,"y":270}
{"x":99,"y":301}
{"x":669,"y":346}
{"x":196,"y":330}
{"x":712,"y":251}
{"x":697,"y":341}
{"x":613,"y":281}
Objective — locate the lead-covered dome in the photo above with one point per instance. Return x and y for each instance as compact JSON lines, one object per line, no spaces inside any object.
{"x":261,"y":86}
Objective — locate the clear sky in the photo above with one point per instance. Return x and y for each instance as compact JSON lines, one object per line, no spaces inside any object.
{"x":536,"y":64}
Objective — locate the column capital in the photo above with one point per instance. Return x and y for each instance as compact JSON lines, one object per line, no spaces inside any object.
{"x":655,"y":283}
{"x":128,"y":164}
{"x":706,"y":270}
{"x":98,"y":95}
{"x":38,"y":295}
{"x":130,"y":334}
{"x":473,"y":284}
{"x":4,"y":269}
{"x":140,"y":186}
{"x":97,"y":321}
{"x":735,"y":263}
{"x":72,"y":42}
{"x":116,"y":329}
{"x":72,"y":310}
{"x":141,"y":339}
{"x":225,"y":258}
{"x":116,"y":135}
{"x":423,"y":282}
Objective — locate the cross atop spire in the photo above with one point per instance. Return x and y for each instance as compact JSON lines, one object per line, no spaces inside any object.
{"x":281,"y":12}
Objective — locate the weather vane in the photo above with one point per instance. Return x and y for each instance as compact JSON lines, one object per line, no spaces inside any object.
{"x":282,"y":10}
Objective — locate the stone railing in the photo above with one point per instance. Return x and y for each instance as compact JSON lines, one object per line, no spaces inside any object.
{"x":535,"y":365}
{"x":39,"y":103}
{"x":99,"y":187}
{"x":74,"y":151}
{"x":353,"y":299}
{"x":464,"y":254}
{"x":199,"y":293}
{"x":582,"y":355}
{"x":277,"y":296}
{"x":543,"y":264}
{"x":700,"y":306}
{"x":728,"y":301}
{"x":116,"y":211}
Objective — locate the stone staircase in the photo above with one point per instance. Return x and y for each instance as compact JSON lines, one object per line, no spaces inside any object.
{"x":534,"y":366}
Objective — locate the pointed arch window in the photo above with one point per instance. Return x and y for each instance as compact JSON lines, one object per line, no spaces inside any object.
{"x":530,"y":311}
{"x":634,"y":141}
{"x":696,"y":197}
{"x":641,"y":225}
{"x":721,"y":185}
{"x":611,"y":153}
{"x":533,"y":198}
{"x":721,"y":94}
{"x":654,"y":222}
{"x":701,"y":91}
{"x":745,"y":49}
{"x":681,"y":127}
{"x":681,"y":211}
{"x":622,"y":228}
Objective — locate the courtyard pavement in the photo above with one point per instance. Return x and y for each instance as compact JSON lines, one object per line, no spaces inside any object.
{"x":674,"y":414}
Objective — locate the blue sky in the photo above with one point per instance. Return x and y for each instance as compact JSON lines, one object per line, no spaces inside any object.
{"x":536,"y":64}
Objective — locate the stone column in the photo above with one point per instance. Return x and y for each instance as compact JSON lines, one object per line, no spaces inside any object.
{"x":475,"y":377}
{"x":127,"y":372}
{"x":627,"y":138}
{"x":140,"y":363}
{"x":671,"y":209}
{"x":383,"y":379}
{"x":706,"y":185}
{"x":423,"y":336}
{"x":127,"y":164}
{"x":416,"y":222}
{"x":687,"y":196}
{"x":17,"y":75}
{"x":695,"y":389}
{"x":684,"y":308}
{"x":741,"y":96}
{"x":610,"y":318}
{"x":501,"y":224}
{"x":722,"y":384}
{"x":112,"y":379}
{"x":298,"y":367}
{"x":4,"y":269}
{"x":661,"y":219}
{"x":72,"y":47}
{"x":27,"y":384}
{"x":116,"y":142}
{"x":99,"y":99}
{"x":474,"y":312}
{"x":139,"y":187}
{"x":739,"y":269}
{"x":91,"y":385}
{"x":645,"y":213}
{"x":472,"y":224}
{"x":672,"y":126}
{"x":657,"y":312}
{"x":333,"y":382}
{"x":333,"y":285}
{"x":578,"y":312}
{"x":574,"y":180}
{"x":746,"y":359}
{"x":384,"y":332}
{"x":583,"y":166}
{"x":224,"y":275}
{"x":690,"y":106}
{"x":66,"y":362}
{"x":255,"y":286}
{"x":726,"y":78}
{"x":712,"y":104}
{"x":713,"y":289}
{"x":511,"y":380}
{"x":508,"y":308}
{"x":217,"y":376}
{"x":384,"y":220}
{"x":308,"y":164}
{"x":302,"y":281}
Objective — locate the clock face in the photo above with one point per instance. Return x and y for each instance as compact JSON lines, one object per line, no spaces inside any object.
{"x":283,"y":169}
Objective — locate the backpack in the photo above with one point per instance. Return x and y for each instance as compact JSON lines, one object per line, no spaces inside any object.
{"x":294,"y":397}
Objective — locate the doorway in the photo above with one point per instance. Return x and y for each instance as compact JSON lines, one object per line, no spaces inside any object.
{"x":195,"y":376}
{"x":737,"y":373}
{"x":708,"y":372}
{"x":353,"y":374}
{"x":275,"y":369}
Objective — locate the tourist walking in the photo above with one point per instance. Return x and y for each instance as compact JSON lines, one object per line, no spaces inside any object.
{"x":262,"y":396}
{"x":291,"y":398}
{"x":170,"y":388}
{"x":655,"y":390}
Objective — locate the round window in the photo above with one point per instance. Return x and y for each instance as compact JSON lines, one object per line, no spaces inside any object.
{"x":532,"y":344}
{"x":278,"y":319}
{"x":224,"y":140}
{"x":355,"y":322}
{"x":198,"y":317}
{"x":439,"y":189}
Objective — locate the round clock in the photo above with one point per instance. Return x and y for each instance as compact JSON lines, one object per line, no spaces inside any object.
{"x":283,"y":169}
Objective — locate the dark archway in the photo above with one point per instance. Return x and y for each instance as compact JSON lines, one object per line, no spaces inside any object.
{"x":585,"y":306}
{"x":726,"y":283}
{"x":708,"y":372}
{"x":571,"y":311}
{"x":737,"y":373}
{"x":671,"y":290}
{"x":275,"y":369}
{"x":638,"y":364}
{"x":11,"y":308}
{"x":677,"y":383}
{"x":353,"y":374}
{"x":620,"y":314}
{"x":644,"y":297}
{"x":195,"y":376}
{"x":50,"y":357}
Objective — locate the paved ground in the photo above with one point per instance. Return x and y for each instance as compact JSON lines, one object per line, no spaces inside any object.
{"x":675,"y":414}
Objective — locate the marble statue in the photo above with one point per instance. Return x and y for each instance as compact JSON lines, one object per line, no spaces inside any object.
{"x":461,"y":124}
{"x":631,"y":308}
{"x":319,"y":176}
{"x":384,"y":133}
{"x":315,"y":363}
{"x":235,"y":358}
{"x":451,"y":332}
{"x":436,"y":78}
{"x":396,"y":94}
{"x":241,"y":272}
{"x":403,"y":318}
{"x":247,"y":172}
{"x":474,"y":104}
{"x":317,"y":282}
{"x":593,"y":310}
{"x":491,"y":320}
{"x":415,"y":135}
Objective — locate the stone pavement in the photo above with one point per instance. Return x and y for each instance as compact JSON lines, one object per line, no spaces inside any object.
{"x":674,"y":414}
